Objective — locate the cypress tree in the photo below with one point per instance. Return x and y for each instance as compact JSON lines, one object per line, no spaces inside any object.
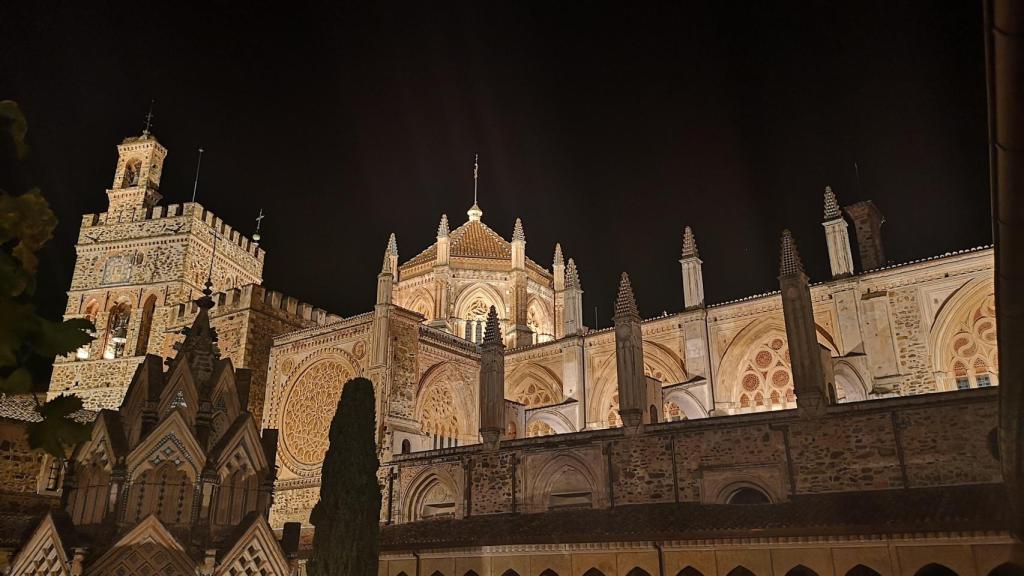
{"x":347,"y":517}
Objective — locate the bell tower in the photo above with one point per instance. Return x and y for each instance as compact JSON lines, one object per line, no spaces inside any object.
{"x":140,"y":163}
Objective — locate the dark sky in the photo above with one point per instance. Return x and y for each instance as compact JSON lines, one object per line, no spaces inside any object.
{"x":605,"y":129}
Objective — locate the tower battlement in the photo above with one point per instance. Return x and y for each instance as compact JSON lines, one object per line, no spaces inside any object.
{"x":187,"y":210}
{"x":256,"y":297}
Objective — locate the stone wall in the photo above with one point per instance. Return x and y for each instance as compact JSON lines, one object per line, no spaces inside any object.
{"x":930,"y":440}
{"x":911,"y":342}
{"x":19,"y":465}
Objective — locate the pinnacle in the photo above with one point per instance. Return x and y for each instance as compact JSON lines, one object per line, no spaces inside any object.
{"x":572,"y":277}
{"x":386,"y":267}
{"x":474,"y":213}
{"x":442,"y":228}
{"x":789,"y":259}
{"x":559,"y":261}
{"x":492,"y":331}
{"x":831,"y":204}
{"x":689,"y":244}
{"x":518,"y":235}
{"x":625,"y":303}
{"x":393,"y":245}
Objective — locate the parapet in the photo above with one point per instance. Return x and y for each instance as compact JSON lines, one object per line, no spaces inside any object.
{"x":192,"y":210}
{"x":256,"y":297}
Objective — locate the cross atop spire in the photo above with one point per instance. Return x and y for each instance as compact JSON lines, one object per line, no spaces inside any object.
{"x":474,"y":212}
{"x":149,"y":118}
{"x":517,"y":234}
{"x":689,"y":244}
{"x":789,"y":259}
{"x":572,"y":276}
{"x":831,"y":204}
{"x":559,"y":261}
{"x":492,"y":331}
{"x":442,"y":228}
{"x":625,"y":303}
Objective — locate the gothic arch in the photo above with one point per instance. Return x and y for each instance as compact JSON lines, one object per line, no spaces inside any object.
{"x":862,"y":570}
{"x":1007,"y":569}
{"x":422,"y":302}
{"x":962,"y":340}
{"x":740,"y":571}
{"x":564,"y":473}
{"x":637,"y":571}
{"x":934,"y":569}
{"x":593,"y":572}
{"x":446,"y":400}
{"x":433,"y":493}
{"x":471,"y":308}
{"x":663,"y":364}
{"x":690,"y":406}
{"x":744,"y":492}
{"x":538,"y":319}
{"x":756,"y":368}
{"x":145,"y":325}
{"x":850,"y":385}
{"x":689,"y":571}
{"x":801,"y":570}
{"x":534,"y":385}
{"x":556,"y":421}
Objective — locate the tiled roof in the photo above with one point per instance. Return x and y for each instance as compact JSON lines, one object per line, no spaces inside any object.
{"x":977,"y":507}
{"x":23,"y":407}
{"x":474,"y":239}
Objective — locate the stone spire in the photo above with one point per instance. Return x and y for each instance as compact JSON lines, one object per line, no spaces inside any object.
{"x":517,"y":234}
{"x":443,"y":242}
{"x":689,"y":244}
{"x":840,"y":258}
{"x":558,"y":260}
{"x":442,"y":228}
{"x":492,"y":381}
{"x":693,"y":276}
{"x":386,"y":278}
{"x":831,"y":204}
{"x":629,"y":357}
{"x":804,"y":351}
{"x":558,"y":269}
{"x":790,"y":264}
{"x":393,"y":251}
{"x":573,"y":295}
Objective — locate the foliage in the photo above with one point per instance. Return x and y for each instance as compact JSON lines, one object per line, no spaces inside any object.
{"x":347,"y":516}
{"x":26,"y":223}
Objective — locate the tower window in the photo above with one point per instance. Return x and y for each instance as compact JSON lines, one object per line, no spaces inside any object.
{"x":963,"y":383}
{"x":983,"y":380}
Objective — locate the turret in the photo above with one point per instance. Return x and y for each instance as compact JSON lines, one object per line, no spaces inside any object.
{"x":393,"y":252}
{"x":492,"y":381}
{"x":521,"y":333}
{"x":693,"y":277}
{"x":573,"y":313}
{"x":804,"y":351}
{"x":386,"y":277}
{"x":558,"y":269}
{"x":136,"y":183}
{"x":837,"y":236}
{"x":518,"y":246}
{"x":629,"y":357}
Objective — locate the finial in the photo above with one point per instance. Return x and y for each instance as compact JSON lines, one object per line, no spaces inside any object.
{"x":195,"y":185}
{"x":492,"y":331}
{"x":789,"y":259}
{"x":442,"y":228}
{"x":149,"y":118}
{"x":558,"y":255}
{"x":386,"y":267}
{"x":572,"y":276}
{"x":625,"y":303}
{"x":517,"y":234}
{"x":474,"y":211}
{"x":259,"y":220}
{"x":831,"y":204}
{"x":689,"y":244}
{"x":393,"y":246}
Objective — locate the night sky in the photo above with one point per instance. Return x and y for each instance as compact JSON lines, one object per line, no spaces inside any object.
{"x":604,"y":129}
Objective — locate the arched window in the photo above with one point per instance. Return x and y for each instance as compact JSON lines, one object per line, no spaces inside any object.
{"x":1007,"y":569}
{"x":549,"y":572}
{"x":406,"y":446}
{"x":972,"y":351}
{"x":861,"y":570}
{"x":593,"y":572}
{"x":470,"y":573}
{"x":145,"y":326}
{"x":539,"y":428}
{"x":132,"y":168}
{"x":748,"y":495}
{"x":935,"y":570}
{"x":689,"y":571}
{"x":638,"y":571}
{"x":437,"y":573}
{"x":801,"y":570}
{"x":117,"y":330}
{"x":510,"y":572}
{"x":740,"y":571}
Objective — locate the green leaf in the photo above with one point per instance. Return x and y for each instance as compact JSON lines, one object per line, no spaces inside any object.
{"x":18,"y":382}
{"x":57,"y":433}
{"x":58,"y":338}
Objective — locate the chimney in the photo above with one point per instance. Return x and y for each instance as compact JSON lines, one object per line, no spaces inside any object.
{"x":867,"y":223}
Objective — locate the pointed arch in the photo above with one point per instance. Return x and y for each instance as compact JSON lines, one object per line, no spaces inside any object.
{"x":637,"y":571}
{"x":689,"y":571}
{"x":862,"y":570}
{"x":539,"y":321}
{"x":446,"y":403}
{"x":565,"y":480}
{"x":549,"y":572}
{"x":433,"y":493}
{"x":421,"y":301}
{"x":510,"y":572}
{"x":801,"y":570}
{"x":533,"y":385}
{"x":935,"y":569}
{"x":547,"y":423}
{"x":593,"y":572}
{"x":690,"y":408}
{"x":962,"y":340}
{"x":470,"y":573}
{"x":147,"y":547}
{"x":1007,"y":569}
{"x":663,"y":364}
{"x":470,"y":309}
{"x":740,"y":571}
{"x":757,"y":360}
{"x":145,"y":325}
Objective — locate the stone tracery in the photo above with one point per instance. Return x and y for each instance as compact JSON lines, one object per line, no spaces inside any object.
{"x":309,"y":409}
{"x":973,"y":361}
